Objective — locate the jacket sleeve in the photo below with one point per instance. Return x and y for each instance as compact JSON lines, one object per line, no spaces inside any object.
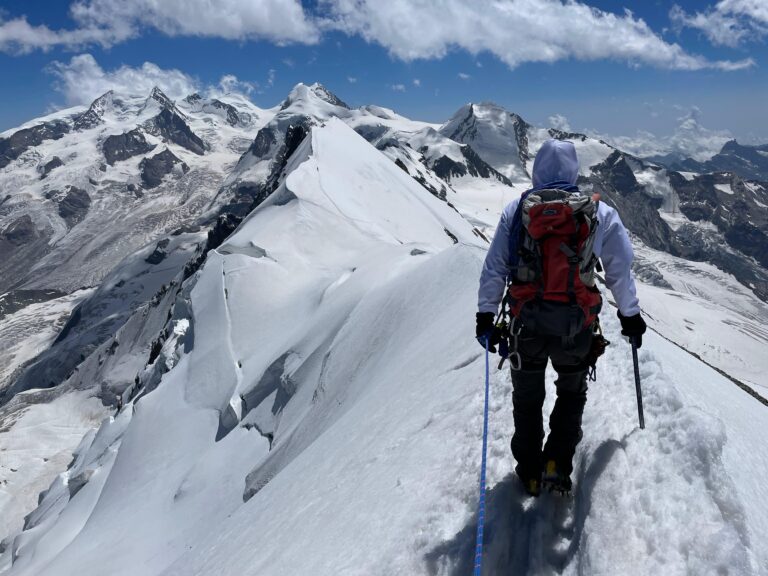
{"x":617,"y":255}
{"x":493,"y":279}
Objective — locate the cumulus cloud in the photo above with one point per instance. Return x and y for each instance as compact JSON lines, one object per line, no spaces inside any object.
{"x":398,"y":87}
{"x":689,"y":140}
{"x":416,"y":82}
{"x":727,"y":23}
{"x":559,"y":122}
{"x":464,"y":76}
{"x":351,"y":79}
{"x":275,"y":20}
{"x":18,"y":36}
{"x":82,"y":79}
{"x":109,"y":22}
{"x":516,"y":32}
{"x":230,"y":83}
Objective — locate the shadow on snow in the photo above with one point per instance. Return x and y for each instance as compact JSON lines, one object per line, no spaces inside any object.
{"x":525,"y":535}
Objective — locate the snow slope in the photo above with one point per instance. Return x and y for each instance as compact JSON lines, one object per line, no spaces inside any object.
{"x":323,"y":416}
{"x":709,"y":312}
{"x":35,"y":447}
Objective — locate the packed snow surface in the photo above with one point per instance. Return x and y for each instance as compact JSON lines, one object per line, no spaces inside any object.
{"x":325,"y":417}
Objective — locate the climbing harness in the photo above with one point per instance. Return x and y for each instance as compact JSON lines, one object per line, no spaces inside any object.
{"x":509,"y":327}
{"x":481,"y":504}
{"x":515,"y":361}
{"x":599,"y":344}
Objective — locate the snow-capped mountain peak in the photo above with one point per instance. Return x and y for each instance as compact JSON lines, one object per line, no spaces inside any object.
{"x":307,"y":98}
{"x":499,"y":136}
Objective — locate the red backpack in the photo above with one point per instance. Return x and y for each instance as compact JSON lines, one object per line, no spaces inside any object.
{"x":552,"y":289}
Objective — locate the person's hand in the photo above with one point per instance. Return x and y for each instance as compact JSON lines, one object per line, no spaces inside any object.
{"x":486,"y":330}
{"x":633,"y":327}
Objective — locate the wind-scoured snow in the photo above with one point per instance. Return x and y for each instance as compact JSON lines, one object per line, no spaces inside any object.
{"x":34,"y":447}
{"x":323,"y":415}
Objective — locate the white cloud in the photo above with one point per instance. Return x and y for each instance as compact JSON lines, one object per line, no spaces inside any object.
{"x":559,"y":122}
{"x":416,"y":82}
{"x":82,"y":79}
{"x":271,"y":77}
{"x":689,"y":140}
{"x":274,"y":20}
{"x":729,"y":22}
{"x":464,"y":76}
{"x":398,"y":87}
{"x":109,"y":22}
{"x":230,"y":83}
{"x":351,"y":79}
{"x":407,"y":29}
{"x":17,"y":36}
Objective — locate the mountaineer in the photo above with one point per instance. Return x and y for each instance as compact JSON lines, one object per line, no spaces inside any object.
{"x":541,"y":268}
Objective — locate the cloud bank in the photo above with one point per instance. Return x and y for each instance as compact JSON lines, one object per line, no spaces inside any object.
{"x":727,"y":23}
{"x":109,"y":22}
{"x":689,"y":140}
{"x":515,"y":31}
{"x":82,"y":79}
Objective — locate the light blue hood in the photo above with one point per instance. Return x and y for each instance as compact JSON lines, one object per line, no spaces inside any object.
{"x":555,"y":162}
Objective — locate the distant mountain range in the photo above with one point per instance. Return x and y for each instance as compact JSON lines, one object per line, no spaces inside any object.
{"x":747,"y":162}
{"x":125,"y":194}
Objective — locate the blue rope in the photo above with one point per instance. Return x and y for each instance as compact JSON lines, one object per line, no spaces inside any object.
{"x":481,"y":506}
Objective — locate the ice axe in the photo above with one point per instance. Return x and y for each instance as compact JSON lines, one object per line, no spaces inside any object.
{"x":639,"y":391}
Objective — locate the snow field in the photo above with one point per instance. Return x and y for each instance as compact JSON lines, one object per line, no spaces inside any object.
{"x":653,"y":501}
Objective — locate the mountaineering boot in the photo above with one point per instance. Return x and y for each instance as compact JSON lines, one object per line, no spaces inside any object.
{"x":556,"y":481}
{"x":532,"y":486}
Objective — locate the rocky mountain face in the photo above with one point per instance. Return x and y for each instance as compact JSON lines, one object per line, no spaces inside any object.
{"x":748,"y":162}
{"x":717,"y":218}
{"x":498,"y":136}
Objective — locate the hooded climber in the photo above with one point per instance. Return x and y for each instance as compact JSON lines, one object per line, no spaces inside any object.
{"x":542,"y":262}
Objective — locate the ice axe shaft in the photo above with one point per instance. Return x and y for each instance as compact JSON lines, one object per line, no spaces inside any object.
{"x":637,"y":385}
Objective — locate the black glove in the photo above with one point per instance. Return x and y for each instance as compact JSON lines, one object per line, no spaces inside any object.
{"x":486,"y":329}
{"x":633,"y":327}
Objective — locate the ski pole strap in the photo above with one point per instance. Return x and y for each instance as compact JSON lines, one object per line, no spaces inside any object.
{"x":637,"y":385}
{"x":481,"y":504}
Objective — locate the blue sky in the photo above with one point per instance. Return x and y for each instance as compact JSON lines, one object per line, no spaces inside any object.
{"x":417,"y":61}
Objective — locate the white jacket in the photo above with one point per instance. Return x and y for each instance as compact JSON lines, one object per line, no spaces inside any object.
{"x":612,"y":246}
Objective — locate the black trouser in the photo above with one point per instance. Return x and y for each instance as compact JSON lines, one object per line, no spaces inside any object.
{"x":568,"y":360}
